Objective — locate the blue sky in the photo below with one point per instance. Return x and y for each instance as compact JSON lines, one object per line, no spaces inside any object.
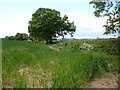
{"x":15,"y":15}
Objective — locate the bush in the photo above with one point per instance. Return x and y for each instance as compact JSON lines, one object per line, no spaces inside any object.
{"x":18,"y":36}
{"x":109,"y":46}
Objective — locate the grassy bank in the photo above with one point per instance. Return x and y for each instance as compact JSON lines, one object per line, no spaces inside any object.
{"x":32,"y":64}
{"x":109,"y":46}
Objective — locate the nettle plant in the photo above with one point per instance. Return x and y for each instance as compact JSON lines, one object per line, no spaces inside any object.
{"x":86,"y":46}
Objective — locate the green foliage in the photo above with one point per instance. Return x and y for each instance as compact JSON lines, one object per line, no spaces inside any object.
{"x":18,"y":36}
{"x":10,"y":37}
{"x":21,"y":36}
{"x":78,"y":69}
{"x":109,"y":46}
{"x":31,"y":64}
{"x":112,"y":11}
{"x":46,"y":24}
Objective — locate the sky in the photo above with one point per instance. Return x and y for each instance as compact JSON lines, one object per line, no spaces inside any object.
{"x":15,"y":15}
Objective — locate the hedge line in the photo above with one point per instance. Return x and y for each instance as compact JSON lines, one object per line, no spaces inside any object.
{"x":109,"y":46}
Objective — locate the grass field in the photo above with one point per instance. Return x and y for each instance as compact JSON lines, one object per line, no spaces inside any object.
{"x":0,"y":63}
{"x":34,"y":65}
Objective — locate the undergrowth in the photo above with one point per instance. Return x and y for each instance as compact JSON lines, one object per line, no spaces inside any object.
{"x":31,"y":64}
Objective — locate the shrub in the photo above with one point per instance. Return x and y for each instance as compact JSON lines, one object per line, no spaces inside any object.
{"x":109,"y":46}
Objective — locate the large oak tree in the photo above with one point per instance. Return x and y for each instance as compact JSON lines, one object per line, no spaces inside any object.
{"x":47,"y":24}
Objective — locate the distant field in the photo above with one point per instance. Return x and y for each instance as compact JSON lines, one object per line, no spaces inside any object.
{"x":31,"y":64}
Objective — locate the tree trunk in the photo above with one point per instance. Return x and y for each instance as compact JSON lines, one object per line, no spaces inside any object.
{"x":49,"y":42}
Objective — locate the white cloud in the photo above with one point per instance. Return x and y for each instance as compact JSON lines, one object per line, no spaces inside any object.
{"x":13,"y":25}
{"x":19,"y":23}
{"x":83,"y":19}
{"x":88,"y":26}
{"x":51,"y":1}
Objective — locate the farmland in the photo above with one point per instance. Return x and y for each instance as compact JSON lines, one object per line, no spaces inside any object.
{"x":34,"y":65}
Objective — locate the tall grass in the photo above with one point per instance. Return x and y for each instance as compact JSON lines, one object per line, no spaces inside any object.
{"x":31,"y":64}
{"x":0,"y":63}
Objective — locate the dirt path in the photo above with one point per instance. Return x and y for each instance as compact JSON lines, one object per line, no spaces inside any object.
{"x":54,"y":48}
{"x":108,"y":80}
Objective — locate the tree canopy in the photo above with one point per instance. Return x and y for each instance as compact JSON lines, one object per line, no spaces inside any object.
{"x":47,"y":24}
{"x":18,"y":36}
{"x":112,"y":11}
{"x":21,"y":36}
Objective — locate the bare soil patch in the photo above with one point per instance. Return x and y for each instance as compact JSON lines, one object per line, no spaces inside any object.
{"x":108,"y":80}
{"x":37,"y":76}
{"x":33,"y":77}
{"x":54,"y":48}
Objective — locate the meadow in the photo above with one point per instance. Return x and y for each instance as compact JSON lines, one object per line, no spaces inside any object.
{"x":0,"y":63}
{"x":28,"y":64}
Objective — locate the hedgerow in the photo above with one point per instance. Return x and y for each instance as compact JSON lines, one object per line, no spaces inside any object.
{"x":109,"y":46}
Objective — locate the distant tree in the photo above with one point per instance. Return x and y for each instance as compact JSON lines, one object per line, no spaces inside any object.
{"x":111,"y":10}
{"x":18,"y":36}
{"x":7,"y":37}
{"x":46,"y":24}
{"x":21,"y":36}
{"x":10,"y":38}
{"x":24,"y":36}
